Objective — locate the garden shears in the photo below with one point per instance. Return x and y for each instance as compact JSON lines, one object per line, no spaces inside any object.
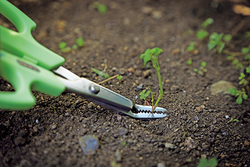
{"x":28,"y":65}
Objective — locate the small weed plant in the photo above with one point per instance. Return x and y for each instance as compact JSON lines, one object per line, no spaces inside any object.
{"x":152,"y":55}
{"x":65,"y":49}
{"x":241,"y":94}
{"x":216,"y":40}
{"x":100,"y":7}
{"x":202,"y":69}
{"x":207,"y":163}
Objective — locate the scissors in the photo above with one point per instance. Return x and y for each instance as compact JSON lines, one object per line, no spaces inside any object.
{"x":28,"y":65}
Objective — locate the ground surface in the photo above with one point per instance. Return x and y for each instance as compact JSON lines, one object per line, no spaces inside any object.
{"x":197,"y":123}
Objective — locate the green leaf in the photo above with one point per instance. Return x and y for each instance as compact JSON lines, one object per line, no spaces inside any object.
{"x":232,"y":91}
{"x":211,"y":44}
{"x":119,"y":77}
{"x":245,"y":96}
{"x":247,"y":57}
{"x":203,"y":64}
{"x":207,"y":22}
{"x":239,"y":100}
{"x":62,"y":45}
{"x":189,"y":62}
{"x":235,"y":62}
{"x":80,"y":42}
{"x":201,"y":34}
{"x":243,"y":81}
{"x":227,"y":37}
{"x":203,"y":162}
{"x":123,"y":143}
{"x":102,"y":9}
{"x":244,"y":50}
{"x":220,"y":47}
{"x":190,"y":48}
{"x":212,"y":162}
{"x":242,"y":75}
{"x":248,"y":69}
{"x":195,"y":70}
{"x":100,"y":73}
{"x":74,"y":47}
{"x":147,"y":93}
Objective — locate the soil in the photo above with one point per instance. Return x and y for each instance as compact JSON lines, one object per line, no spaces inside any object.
{"x":197,"y":123}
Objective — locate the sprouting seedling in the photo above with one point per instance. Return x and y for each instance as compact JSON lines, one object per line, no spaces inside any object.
{"x":215,"y":41}
{"x":64,"y":48}
{"x":119,"y":77}
{"x":242,"y":79}
{"x":80,"y":42}
{"x":202,"y":69}
{"x":191,"y":46}
{"x":205,"y":163}
{"x":100,"y":73}
{"x":152,"y":55}
{"x":100,"y":7}
{"x":207,"y":22}
{"x":245,"y":51}
{"x":233,"y":120}
{"x":189,"y":62}
{"x":235,"y":62}
{"x":201,"y":34}
{"x":240,"y":94}
{"x":144,"y":94}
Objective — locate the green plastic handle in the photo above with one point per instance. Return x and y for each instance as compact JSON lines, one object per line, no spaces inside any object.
{"x":24,"y":62}
{"x":22,"y":43}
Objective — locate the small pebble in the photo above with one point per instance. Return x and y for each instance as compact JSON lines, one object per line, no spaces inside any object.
{"x":224,"y":133}
{"x":169,"y":145}
{"x":122,"y":71}
{"x":53,"y":127}
{"x":156,"y":14}
{"x":19,"y":141}
{"x":139,"y":87}
{"x":226,"y":116}
{"x":161,"y":164}
{"x":136,"y":97}
{"x":89,"y":144}
{"x":146,"y":73}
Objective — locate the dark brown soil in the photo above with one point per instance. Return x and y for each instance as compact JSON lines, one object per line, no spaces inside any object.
{"x":198,"y":123}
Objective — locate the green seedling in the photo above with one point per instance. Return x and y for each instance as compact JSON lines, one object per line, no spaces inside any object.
{"x":152,"y":55}
{"x":144,"y":94}
{"x":202,"y":68}
{"x":100,"y":7}
{"x":190,"y":48}
{"x":80,"y":42}
{"x":246,"y":53}
{"x":233,"y":120}
{"x":201,"y":34}
{"x":235,"y":62}
{"x":242,"y":79}
{"x":74,"y":47}
{"x":123,"y":144}
{"x":119,"y":77}
{"x":100,"y":73}
{"x":189,"y":62}
{"x":207,"y":22}
{"x":215,"y":41}
{"x":205,"y":163}
{"x":64,"y":48}
{"x":240,"y":94}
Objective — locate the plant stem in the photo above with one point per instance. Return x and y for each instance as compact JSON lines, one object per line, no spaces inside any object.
{"x":161,"y":87}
